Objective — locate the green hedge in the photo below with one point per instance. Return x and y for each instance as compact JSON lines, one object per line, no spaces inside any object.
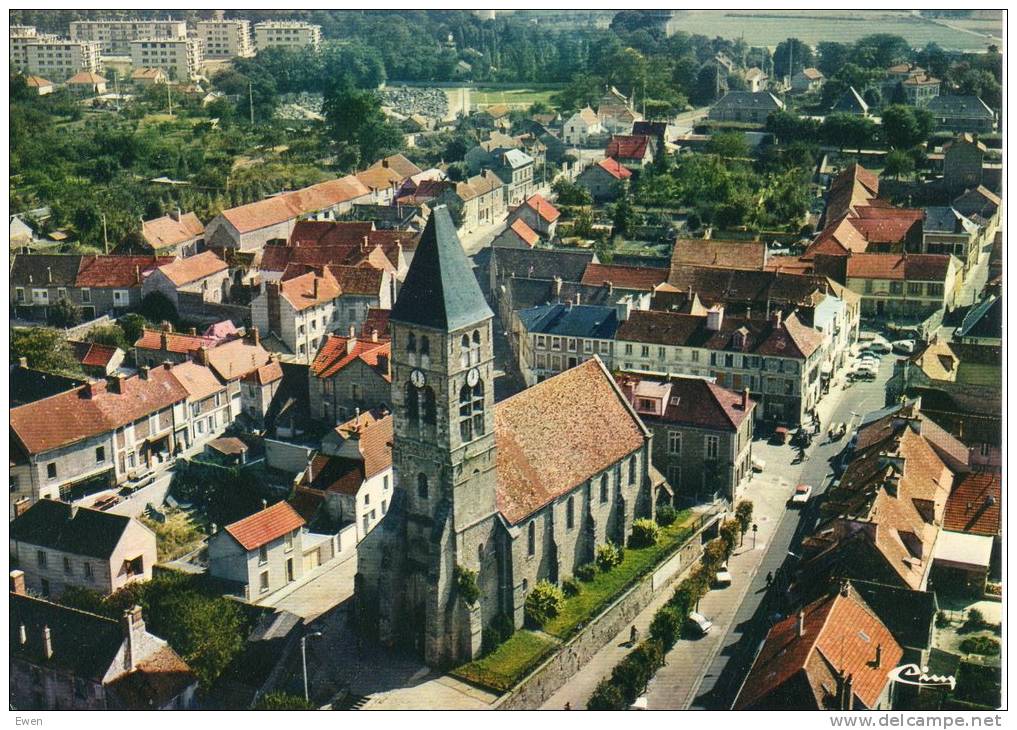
{"x":505,"y":666}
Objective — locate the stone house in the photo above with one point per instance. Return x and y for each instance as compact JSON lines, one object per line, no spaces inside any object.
{"x":515,"y":169}
{"x":207,"y":406}
{"x":205,"y":274}
{"x":516,"y":235}
{"x":154,"y":347}
{"x":745,"y":106}
{"x":348,"y":374}
{"x":58,"y":546}
{"x":87,"y":83}
{"x":903,"y":285}
{"x":485,"y":483}
{"x":982,"y":206}
{"x":261,"y":553}
{"x":177,"y":234}
{"x":807,"y":80}
{"x":615,"y":112}
{"x":702,"y":434}
{"x":96,"y":436}
{"x":778,"y":359}
{"x":945,"y":231}
{"x":756,"y":79}
{"x":66,"y":659}
{"x":538,"y":214}
{"x":963,"y":158}
{"x":962,"y":114}
{"x":231,"y":361}
{"x":249,"y":227}
{"x":634,"y":151}
{"x":39,"y":280}
{"x":483,"y":200}
{"x":582,"y":127}
{"x":851,"y":102}
{"x":258,"y":388}
{"x":113,"y":285}
{"x":352,"y":472}
{"x":557,"y":337}
{"x":97,"y":360}
{"x":40,"y":85}
{"x":300,"y":311}
{"x":604,"y":180}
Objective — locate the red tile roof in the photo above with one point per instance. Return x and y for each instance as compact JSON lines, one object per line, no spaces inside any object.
{"x":399,"y":164}
{"x":117,"y":272}
{"x":265,"y":374}
{"x":89,"y":78}
{"x":717,"y":253}
{"x":92,"y":410}
{"x":175,"y":341}
{"x":974,"y":504}
{"x":263,"y":527}
{"x":155,"y":682}
{"x":92,"y":354}
{"x":373,"y":435}
{"x":615,"y":169}
{"x":337,"y":352}
{"x":380,"y":178}
{"x":199,"y":381}
{"x":309,"y":290}
{"x":542,"y":208}
{"x":186,"y":271}
{"x":287,"y":206}
{"x":844,"y":634}
{"x":235,"y":359}
{"x":640,"y":278}
{"x":552,"y":437}
{"x":167,"y":231}
{"x":377,"y":321}
{"x":687,"y":401}
{"x":628,"y":147}
{"x":526,"y":234}
{"x":904,"y":267}
{"x":362,"y":281}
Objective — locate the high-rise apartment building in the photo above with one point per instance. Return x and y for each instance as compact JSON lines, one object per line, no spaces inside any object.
{"x":286,"y":34}
{"x":115,"y":36}
{"x":180,"y":58}
{"x":226,"y":38}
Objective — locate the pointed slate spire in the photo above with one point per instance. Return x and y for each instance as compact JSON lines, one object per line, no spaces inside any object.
{"x":440,"y":290}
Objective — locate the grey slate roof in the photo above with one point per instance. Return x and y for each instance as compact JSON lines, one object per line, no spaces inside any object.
{"x":907,"y":614}
{"x":960,"y":106}
{"x":45,"y":269}
{"x":516,"y":159}
{"x":571,"y":320}
{"x":525,"y":293}
{"x":28,"y":385}
{"x":850,"y":102}
{"x":541,"y":263}
{"x":749,"y":100}
{"x":83,"y":643}
{"x":944,"y":219}
{"x":79,"y":531}
{"x":440,"y":291}
{"x":984,"y":320}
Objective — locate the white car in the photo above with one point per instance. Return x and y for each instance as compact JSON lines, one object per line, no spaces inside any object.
{"x":801,"y":496}
{"x":879,"y":346}
{"x":758,"y":464}
{"x":699,"y":623}
{"x":904,"y":347}
{"x":723,"y":577}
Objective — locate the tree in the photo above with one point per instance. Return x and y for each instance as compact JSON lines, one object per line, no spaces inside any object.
{"x":569,"y":193}
{"x":282,"y":701}
{"x":708,"y":85}
{"x":899,"y":163}
{"x":354,"y":120}
{"x":880,"y":50}
{"x":44,"y":349}
{"x":624,"y":216}
{"x":791,"y":56}
{"x":132,"y":326}
{"x":728,"y":144}
{"x":157,"y":307}
{"x":63,"y":313}
{"x":847,"y":131}
{"x":832,"y":56}
{"x":905,"y":127}
{"x":109,"y":334}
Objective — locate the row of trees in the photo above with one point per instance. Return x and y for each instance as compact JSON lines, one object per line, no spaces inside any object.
{"x":903,"y":127}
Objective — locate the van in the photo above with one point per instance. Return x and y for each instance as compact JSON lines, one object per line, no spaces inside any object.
{"x":699,"y":623}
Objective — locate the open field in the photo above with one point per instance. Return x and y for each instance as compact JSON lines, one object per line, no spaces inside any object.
{"x":770,"y":27}
{"x":522,"y":97}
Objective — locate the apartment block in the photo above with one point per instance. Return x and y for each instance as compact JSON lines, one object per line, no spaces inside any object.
{"x":286,"y":34}
{"x":59,"y":59}
{"x":115,"y":36}
{"x":21,"y":37}
{"x":226,"y":38}
{"x":180,"y":58}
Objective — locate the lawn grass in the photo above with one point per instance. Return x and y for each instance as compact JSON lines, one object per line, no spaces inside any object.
{"x":519,"y":98}
{"x":605,"y":587}
{"x":505,"y":666}
{"x":177,"y":536}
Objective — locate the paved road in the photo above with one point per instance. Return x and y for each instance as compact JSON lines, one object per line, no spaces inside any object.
{"x":723,"y":677}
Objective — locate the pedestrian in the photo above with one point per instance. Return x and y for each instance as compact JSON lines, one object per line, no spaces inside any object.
{"x":769,"y":578}
{"x":568,"y":705}
{"x":633,"y":635}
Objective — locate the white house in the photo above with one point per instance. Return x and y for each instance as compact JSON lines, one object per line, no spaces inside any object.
{"x":581,"y":126}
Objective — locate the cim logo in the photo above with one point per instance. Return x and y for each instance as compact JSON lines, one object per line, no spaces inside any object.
{"x":915,"y":675}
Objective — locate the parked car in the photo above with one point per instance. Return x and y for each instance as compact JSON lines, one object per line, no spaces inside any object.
{"x":699,"y":623}
{"x":780,"y":435}
{"x":801,"y":496}
{"x":723,"y":577}
{"x":879,"y":345}
{"x":836,"y":431}
{"x":758,"y":464}
{"x":904,"y":347}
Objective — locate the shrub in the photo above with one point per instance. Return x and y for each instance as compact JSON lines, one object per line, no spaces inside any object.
{"x":608,"y":556}
{"x":571,"y":587}
{"x":975,"y":620}
{"x":666,"y":515}
{"x":941,"y":620}
{"x":729,"y":534}
{"x":743,"y":513}
{"x":715,"y":553}
{"x":984,"y":645}
{"x":644,"y":533}
{"x":466,"y":585}
{"x":586,"y":572}
{"x":497,"y":632}
{"x":635,"y":671}
{"x":282,"y":701}
{"x":667,"y":625}
{"x":545,"y":601}
{"x":606,"y":697}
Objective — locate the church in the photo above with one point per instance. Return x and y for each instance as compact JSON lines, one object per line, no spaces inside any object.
{"x":517,"y":492}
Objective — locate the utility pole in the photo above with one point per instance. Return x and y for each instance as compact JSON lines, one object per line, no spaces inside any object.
{"x":303,"y":659}
{"x":169,"y":99}
{"x":250,"y":98}
{"x":105,"y":240}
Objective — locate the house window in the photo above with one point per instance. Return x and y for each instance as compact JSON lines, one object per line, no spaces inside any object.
{"x":384,"y":507}
{"x":384,"y":483}
{"x":263,"y":555}
{"x":100,"y":454}
{"x":603,"y":488}
{"x":40,"y":296}
{"x":674,"y":475}
{"x":40,"y":558}
{"x":712,"y":444}
{"x":695,"y":356}
{"x":674,"y":443}
{"x":632,"y":470}
{"x":588,"y":347}
{"x":67,"y":565}
{"x":422,"y":485}
{"x":288,"y":541}
{"x":367,"y":523}
{"x":556,"y":343}
{"x":644,"y":351}
{"x":572,"y":344}
{"x":19,"y":295}
{"x":570,"y":513}
{"x":934,"y":290}
{"x":263,"y":581}
{"x":121,"y":297}
{"x":51,"y":470}
{"x":531,"y":539}
{"x":88,"y":570}
{"x":367,"y":498}
{"x":914,"y":288}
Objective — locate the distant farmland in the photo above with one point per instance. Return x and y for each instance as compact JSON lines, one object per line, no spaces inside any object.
{"x":768,"y":28}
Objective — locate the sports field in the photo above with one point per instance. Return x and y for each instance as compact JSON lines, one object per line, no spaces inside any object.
{"x":522,"y":97}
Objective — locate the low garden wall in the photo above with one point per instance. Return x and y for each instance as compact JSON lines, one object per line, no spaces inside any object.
{"x":575,"y":653}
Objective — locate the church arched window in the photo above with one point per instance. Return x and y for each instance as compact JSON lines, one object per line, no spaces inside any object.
{"x":475,"y":350}
{"x":531,"y":539}
{"x":570,"y":512}
{"x":428,"y":406}
{"x":422,"y":485}
{"x":480,"y":553}
{"x":411,"y":342}
{"x":603,"y":487}
{"x":632,"y":469}
{"x":478,"y":408}
{"x":464,"y":351}
{"x":425,"y":345}
{"x":471,"y":411}
{"x":412,"y":404}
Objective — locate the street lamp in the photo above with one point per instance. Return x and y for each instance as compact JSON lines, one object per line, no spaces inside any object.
{"x":303,"y":659}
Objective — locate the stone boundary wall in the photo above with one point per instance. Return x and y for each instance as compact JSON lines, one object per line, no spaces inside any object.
{"x":574,"y":654}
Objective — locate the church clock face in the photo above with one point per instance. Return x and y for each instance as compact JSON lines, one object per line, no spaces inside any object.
{"x":473,"y":377}
{"x":418,"y":378}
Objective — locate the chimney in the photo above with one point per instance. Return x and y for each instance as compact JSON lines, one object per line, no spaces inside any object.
{"x":255,"y":336}
{"x":203,"y":355}
{"x":801,"y":624}
{"x":351,"y":344}
{"x":116,"y":383}
{"x":167,"y":326}
{"x":47,"y":642}
{"x":384,"y":163}
{"x":22,"y":635}
{"x":745,"y":400}
{"x":164,"y":340}
{"x":17,"y":582}
{"x":715,"y":318}
{"x":49,"y":274}
{"x":88,"y":391}
{"x":314,"y":286}
{"x":578,"y":298}
{"x":353,"y":332}
{"x":137,"y":274}
{"x":175,"y":215}
{"x":23,"y":362}
{"x":264,"y":504}
{"x":364,"y":244}
{"x":845,"y":589}
{"x":374,"y":335}
{"x":777,"y":318}
{"x":193,"y":331}
{"x":879,"y":656}
{"x":557,"y":286}
{"x":143,"y":372}
{"x":133,"y":626}
{"x":610,"y":287}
